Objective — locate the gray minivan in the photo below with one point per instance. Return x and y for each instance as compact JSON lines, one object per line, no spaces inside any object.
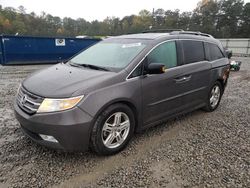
{"x":119,"y":86}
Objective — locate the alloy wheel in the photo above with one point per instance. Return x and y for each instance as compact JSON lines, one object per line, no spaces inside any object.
{"x":115,"y":130}
{"x":215,"y":96}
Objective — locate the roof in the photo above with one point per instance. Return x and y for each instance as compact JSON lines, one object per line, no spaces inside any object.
{"x":158,"y":35}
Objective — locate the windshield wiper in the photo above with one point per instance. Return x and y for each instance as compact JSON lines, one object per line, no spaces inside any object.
{"x":74,"y":64}
{"x":89,"y":66}
{"x":94,"y":67}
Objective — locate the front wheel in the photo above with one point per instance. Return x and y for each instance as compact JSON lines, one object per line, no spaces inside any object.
{"x":214,"y":97}
{"x":113,"y":129}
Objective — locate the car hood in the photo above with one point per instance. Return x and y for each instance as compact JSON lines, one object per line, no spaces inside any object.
{"x":63,"y":80}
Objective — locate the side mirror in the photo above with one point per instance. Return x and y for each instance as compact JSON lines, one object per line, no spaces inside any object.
{"x":229,"y":53}
{"x":155,"y":68}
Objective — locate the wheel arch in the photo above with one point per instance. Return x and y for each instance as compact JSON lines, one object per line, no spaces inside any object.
{"x":127,"y":102}
{"x":221,"y":81}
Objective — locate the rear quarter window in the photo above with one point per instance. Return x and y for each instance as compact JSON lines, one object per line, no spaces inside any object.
{"x":213,"y":51}
{"x":193,"y":51}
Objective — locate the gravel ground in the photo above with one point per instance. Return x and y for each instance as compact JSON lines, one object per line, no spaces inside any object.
{"x":198,"y":149}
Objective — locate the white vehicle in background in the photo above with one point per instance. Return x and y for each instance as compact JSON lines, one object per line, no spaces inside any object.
{"x":81,"y":36}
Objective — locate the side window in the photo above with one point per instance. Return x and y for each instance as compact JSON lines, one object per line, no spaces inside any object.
{"x":164,"y":54}
{"x":214,"y":51}
{"x":136,"y":72}
{"x":193,"y":51}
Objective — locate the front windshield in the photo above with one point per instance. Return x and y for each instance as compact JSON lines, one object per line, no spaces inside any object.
{"x":110,"y":55}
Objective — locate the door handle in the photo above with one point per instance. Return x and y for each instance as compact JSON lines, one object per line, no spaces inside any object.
{"x":182,"y":79}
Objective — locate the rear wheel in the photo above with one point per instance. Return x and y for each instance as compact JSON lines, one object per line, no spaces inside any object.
{"x":113,"y":129}
{"x":214,"y":97}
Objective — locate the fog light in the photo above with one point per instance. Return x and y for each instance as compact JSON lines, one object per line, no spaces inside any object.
{"x":48,"y":138}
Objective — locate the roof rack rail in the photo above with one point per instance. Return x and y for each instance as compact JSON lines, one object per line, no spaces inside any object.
{"x":161,"y":30}
{"x":191,"y":33}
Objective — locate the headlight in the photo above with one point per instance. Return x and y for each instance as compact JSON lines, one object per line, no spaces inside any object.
{"x":53,"y":105}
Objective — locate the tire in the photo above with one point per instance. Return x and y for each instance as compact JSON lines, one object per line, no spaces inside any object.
{"x":107,"y":130}
{"x":211,"y":106}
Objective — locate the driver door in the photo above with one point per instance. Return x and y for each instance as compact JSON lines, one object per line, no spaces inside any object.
{"x":162,"y":93}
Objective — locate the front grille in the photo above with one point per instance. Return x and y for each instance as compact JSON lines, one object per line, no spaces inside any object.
{"x":27,"y":101}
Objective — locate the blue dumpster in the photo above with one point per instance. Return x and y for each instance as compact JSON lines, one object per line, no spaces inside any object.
{"x":38,"y":50}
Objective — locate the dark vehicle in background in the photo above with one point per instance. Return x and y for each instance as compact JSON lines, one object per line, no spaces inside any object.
{"x":234,"y":65}
{"x":120,"y":86}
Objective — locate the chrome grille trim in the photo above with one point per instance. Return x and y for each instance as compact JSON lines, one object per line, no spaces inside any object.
{"x":28,"y":102}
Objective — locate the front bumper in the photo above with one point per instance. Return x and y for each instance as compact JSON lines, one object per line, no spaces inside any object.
{"x":71,"y":128}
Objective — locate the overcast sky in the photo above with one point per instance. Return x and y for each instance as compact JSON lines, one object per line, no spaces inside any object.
{"x":98,"y":9}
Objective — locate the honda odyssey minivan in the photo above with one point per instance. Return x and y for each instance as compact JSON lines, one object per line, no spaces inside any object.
{"x":119,"y":86}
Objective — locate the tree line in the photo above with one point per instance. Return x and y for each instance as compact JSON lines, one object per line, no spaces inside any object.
{"x":221,"y":18}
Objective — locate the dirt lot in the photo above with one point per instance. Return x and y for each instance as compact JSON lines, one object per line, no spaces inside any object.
{"x":198,"y":149}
